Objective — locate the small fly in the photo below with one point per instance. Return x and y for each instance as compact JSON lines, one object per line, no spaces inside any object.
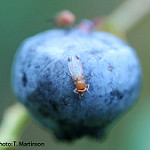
{"x":77,"y":74}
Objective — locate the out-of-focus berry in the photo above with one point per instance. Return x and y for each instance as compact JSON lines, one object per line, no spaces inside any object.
{"x":64,"y":19}
{"x":86,"y":25}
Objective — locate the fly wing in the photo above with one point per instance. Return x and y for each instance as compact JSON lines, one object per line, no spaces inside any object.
{"x":75,"y":67}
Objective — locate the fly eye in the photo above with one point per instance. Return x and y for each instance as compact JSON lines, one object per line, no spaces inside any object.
{"x":69,"y":59}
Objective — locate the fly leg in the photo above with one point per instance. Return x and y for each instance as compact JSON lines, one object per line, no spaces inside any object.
{"x":75,"y":90}
{"x":89,"y":77}
{"x":87,"y":87}
{"x":81,"y":97}
{"x":68,"y":74}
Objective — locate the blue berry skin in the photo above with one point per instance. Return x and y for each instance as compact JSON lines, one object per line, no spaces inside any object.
{"x":41,"y":82}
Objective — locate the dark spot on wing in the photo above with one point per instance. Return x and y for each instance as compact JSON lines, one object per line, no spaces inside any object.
{"x":69,"y":59}
{"x":77,"y":57}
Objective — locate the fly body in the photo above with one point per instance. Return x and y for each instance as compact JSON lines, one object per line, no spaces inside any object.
{"x":77,"y":74}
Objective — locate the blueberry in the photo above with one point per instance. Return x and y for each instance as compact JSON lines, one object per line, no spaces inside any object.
{"x":41,"y":83}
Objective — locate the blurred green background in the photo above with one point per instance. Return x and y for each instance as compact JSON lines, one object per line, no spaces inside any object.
{"x":20,"y":19}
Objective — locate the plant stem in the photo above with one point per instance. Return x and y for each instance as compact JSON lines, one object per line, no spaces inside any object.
{"x":124,"y":18}
{"x":14,"y":120}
